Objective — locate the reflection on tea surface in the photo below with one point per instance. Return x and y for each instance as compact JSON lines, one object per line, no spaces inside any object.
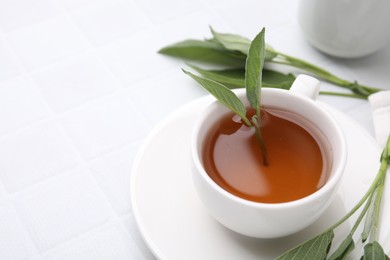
{"x":231,"y":157}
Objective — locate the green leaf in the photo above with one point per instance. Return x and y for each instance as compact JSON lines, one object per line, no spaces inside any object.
{"x":253,"y":71}
{"x":206,"y":51}
{"x":239,"y":43}
{"x":315,"y":248}
{"x":344,"y":249}
{"x":223,"y":95}
{"x":232,"y":78}
{"x":385,"y":156}
{"x":232,"y":41}
{"x":235,"y":78}
{"x":275,"y":79}
{"x":191,"y":49}
{"x":359,"y":89}
{"x":374,"y":251}
{"x":368,"y":223}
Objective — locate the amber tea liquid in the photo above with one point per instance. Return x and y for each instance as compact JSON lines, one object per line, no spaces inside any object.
{"x":232,"y":158}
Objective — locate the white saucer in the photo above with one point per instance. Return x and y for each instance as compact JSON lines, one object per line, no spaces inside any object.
{"x":174,"y":223}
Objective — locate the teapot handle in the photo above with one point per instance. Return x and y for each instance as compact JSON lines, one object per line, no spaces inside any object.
{"x":307,"y":86}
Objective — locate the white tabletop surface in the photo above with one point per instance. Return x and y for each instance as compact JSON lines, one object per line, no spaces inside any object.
{"x":81,"y":86}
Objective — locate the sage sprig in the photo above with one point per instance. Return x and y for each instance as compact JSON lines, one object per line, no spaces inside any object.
{"x":233,"y":53}
{"x":320,"y":245}
{"x":253,"y":75}
{"x":252,"y":81}
{"x":231,"y":50}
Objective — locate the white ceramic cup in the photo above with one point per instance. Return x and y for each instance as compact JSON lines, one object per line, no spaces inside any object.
{"x":346,"y":28}
{"x":264,"y":220}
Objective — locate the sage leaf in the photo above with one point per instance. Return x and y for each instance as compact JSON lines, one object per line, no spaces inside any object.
{"x":315,"y":248}
{"x":253,"y":71}
{"x":358,"y":89}
{"x":370,"y":215}
{"x":239,"y":43}
{"x":223,"y":95}
{"x":275,"y":79}
{"x":232,"y":78}
{"x":374,"y":251}
{"x":235,"y":78}
{"x":191,"y":49}
{"x":232,"y":41}
{"x":344,"y":249}
{"x":385,"y":156}
{"x":205,"y":51}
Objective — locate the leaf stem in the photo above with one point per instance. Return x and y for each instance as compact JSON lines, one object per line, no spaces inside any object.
{"x":343,"y":94}
{"x":288,"y":60}
{"x":260,"y":140}
{"x":362,"y":213}
{"x":378,"y":201}
{"x":378,"y":179}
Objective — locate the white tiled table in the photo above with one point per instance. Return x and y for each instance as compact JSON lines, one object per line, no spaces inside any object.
{"x":81,"y":85}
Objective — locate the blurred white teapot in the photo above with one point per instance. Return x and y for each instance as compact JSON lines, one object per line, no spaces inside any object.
{"x":346,"y":28}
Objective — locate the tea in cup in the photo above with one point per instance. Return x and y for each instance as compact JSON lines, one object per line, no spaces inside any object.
{"x":306,"y":151}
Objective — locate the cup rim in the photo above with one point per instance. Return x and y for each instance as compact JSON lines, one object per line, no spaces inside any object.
{"x":333,"y":180}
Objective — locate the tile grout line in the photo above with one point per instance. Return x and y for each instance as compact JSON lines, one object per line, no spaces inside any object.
{"x":23,"y":71}
{"x":91,"y":47}
{"x":96,"y":229}
{"x":80,"y":159}
{"x":113,"y":215}
{"x":53,"y":117}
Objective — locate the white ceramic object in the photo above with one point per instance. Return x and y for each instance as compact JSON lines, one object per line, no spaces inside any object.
{"x":346,"y":28}
{"x":380,"y":105}
{"x":174,"y":223}
{"x":264,"y":220}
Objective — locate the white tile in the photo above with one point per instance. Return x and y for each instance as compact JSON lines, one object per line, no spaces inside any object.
{"x":3,"y":193}
{"x":75,"y":81}
{"x":62,"y":208}
{"x":163,"y":11}
{"x":248,"y":17}
{"x":74,"y":4}
{"x":37,"y":257}
{"x":132,"y":228}
{"x":111,"y":242}
{"x":193,"y":26}
{"x":20,"y":104}
{"x":15,"y":241}
{"x":162,"y":95}
{"x":106,"y":22}
{"x":113,"y":173}
{"x":46,"y":42}
{"x":104,"y":126}
{"x":19,"y":13}
{"x":34,"y":154}
{"x":135,"y":57}
{"x":8,"y":63}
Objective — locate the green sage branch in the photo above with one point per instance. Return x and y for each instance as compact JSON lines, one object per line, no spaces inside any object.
{"x":231,"y":50}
